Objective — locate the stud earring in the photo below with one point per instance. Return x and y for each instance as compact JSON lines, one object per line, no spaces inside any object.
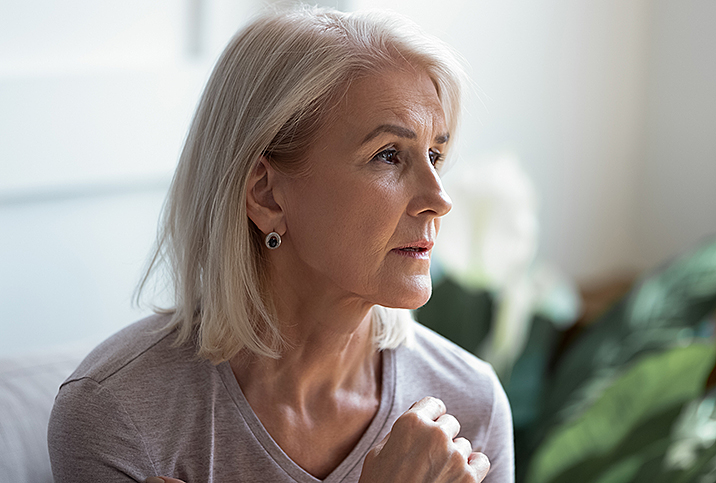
{"x":273,"y":240}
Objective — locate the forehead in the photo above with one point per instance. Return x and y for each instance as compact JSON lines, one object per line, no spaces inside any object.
{"x":403,"y":96}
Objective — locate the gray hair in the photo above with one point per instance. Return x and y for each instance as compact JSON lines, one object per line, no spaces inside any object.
{"x":276,"y":82}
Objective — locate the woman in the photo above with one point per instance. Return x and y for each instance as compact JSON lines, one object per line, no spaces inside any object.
{"x":298,"y":229}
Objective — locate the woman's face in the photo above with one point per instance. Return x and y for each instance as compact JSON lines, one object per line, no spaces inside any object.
{"x":362,"y":222}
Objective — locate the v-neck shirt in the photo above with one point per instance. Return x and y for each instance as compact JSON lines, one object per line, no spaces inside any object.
{"x":139,"y":406}
{"x":370,"y":437}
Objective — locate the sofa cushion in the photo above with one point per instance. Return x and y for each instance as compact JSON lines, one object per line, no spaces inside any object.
{"x":28,"y":386}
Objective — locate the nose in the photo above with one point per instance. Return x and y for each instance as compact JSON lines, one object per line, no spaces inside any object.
{"x":429,"y":198}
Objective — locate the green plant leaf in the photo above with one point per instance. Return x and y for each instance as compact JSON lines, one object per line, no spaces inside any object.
{"x":646,"y":442}
{"x":664,"y":309}
{"x":651,"y":385}
{"x":622,"y":472}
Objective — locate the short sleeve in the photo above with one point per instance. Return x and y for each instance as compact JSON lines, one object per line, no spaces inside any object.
{"x":92,"y":438}
{"x":499,"y":447}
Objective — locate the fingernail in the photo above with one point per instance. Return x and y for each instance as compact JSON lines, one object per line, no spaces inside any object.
{"x":154,"y":479}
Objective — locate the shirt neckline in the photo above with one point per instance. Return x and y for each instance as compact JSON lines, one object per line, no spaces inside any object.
{"x":354,"y":458}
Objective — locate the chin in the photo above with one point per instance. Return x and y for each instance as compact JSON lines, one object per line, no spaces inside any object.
{"x":413,"y":296}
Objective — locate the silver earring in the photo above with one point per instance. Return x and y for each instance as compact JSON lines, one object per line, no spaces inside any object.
{"x":273,"y":240}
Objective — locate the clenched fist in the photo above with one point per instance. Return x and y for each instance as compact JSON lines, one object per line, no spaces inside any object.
{"x":422,"y":447}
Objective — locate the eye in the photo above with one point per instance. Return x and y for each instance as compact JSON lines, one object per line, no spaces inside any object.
{"x":435,"y":157}
{"x":389,"y":156}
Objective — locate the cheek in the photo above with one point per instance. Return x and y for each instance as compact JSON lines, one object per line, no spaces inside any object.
{"x":343,"y":223}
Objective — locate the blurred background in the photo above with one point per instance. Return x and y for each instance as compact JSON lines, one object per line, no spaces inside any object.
{"x":608,"y":106}
{"x":579,"y":258}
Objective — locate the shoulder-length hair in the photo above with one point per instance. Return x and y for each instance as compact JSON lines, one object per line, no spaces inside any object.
{"x":272,"y":88}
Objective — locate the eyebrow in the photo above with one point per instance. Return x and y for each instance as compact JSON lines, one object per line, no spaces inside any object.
{"x":401,"y":132}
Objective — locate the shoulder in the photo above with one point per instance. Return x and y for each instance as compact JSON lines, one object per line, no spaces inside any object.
{"x":91,"y":436}
{"x":136,"y":368}
{"x":93,"y":431}
{"x":147,"y":338}
{"x":433,"y":354}
{"x":433,"y":366}
{"x":141,"y":364}
{"x":111,"y":413}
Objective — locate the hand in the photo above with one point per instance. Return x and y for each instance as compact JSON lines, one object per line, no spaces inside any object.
{"x":161,"y":479}
{"x":422,"y":446}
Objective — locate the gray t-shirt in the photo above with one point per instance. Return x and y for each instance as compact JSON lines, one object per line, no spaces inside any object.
{"x":137,"y":407}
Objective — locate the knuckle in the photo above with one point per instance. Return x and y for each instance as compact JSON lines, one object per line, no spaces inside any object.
{"x":436,"y":401}
{"x":408,"y":422}
{"x":480,"y":465}
{"x":457,"y":460}
{"x":437,"y":441}
{"x":481,"y":459}
{"x":453,"y":421}
{"x":437,"y":437}
{"x":463,"y":443}
{"x":457,"y":469}
{"x":484,"y":462}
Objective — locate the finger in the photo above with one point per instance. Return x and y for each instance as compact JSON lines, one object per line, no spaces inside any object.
{"x":429,"y":408}
{"x":480,"y":464}
{"x":161,"y":479}
{"x":449,"y":424}
{"x":464,"y":447}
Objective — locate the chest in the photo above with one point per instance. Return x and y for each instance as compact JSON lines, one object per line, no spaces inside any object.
{"x":318,"y":441}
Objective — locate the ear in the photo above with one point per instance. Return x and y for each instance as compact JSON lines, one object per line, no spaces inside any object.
{"x":261,"y":204}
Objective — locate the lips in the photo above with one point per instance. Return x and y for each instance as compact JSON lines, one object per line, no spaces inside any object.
{"x":417,"y":246}
{"x":417,"y":249}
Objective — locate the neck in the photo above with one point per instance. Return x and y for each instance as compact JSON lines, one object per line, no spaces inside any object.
{"x":319,"y":396}
{"x":329,"y":350}
{"x":316,"y":365}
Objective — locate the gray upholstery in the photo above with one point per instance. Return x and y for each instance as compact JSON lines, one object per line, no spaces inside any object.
{"x":28,"y":385}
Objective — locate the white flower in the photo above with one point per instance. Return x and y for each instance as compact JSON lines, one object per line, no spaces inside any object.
{"x":489,"y":242}
{"x":489,"y":238}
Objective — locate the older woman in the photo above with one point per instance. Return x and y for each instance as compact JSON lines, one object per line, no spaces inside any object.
{"x":298,"y":230}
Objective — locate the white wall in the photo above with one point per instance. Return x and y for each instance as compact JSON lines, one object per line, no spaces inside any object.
{"x":677,"y":198}
{"x":95,"y":98}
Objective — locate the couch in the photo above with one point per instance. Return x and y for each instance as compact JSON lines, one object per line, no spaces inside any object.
{"x":28,"y":385}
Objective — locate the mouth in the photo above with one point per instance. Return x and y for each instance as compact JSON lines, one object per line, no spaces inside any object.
{"x":420,"y":249}
{"x":413,"y":249}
